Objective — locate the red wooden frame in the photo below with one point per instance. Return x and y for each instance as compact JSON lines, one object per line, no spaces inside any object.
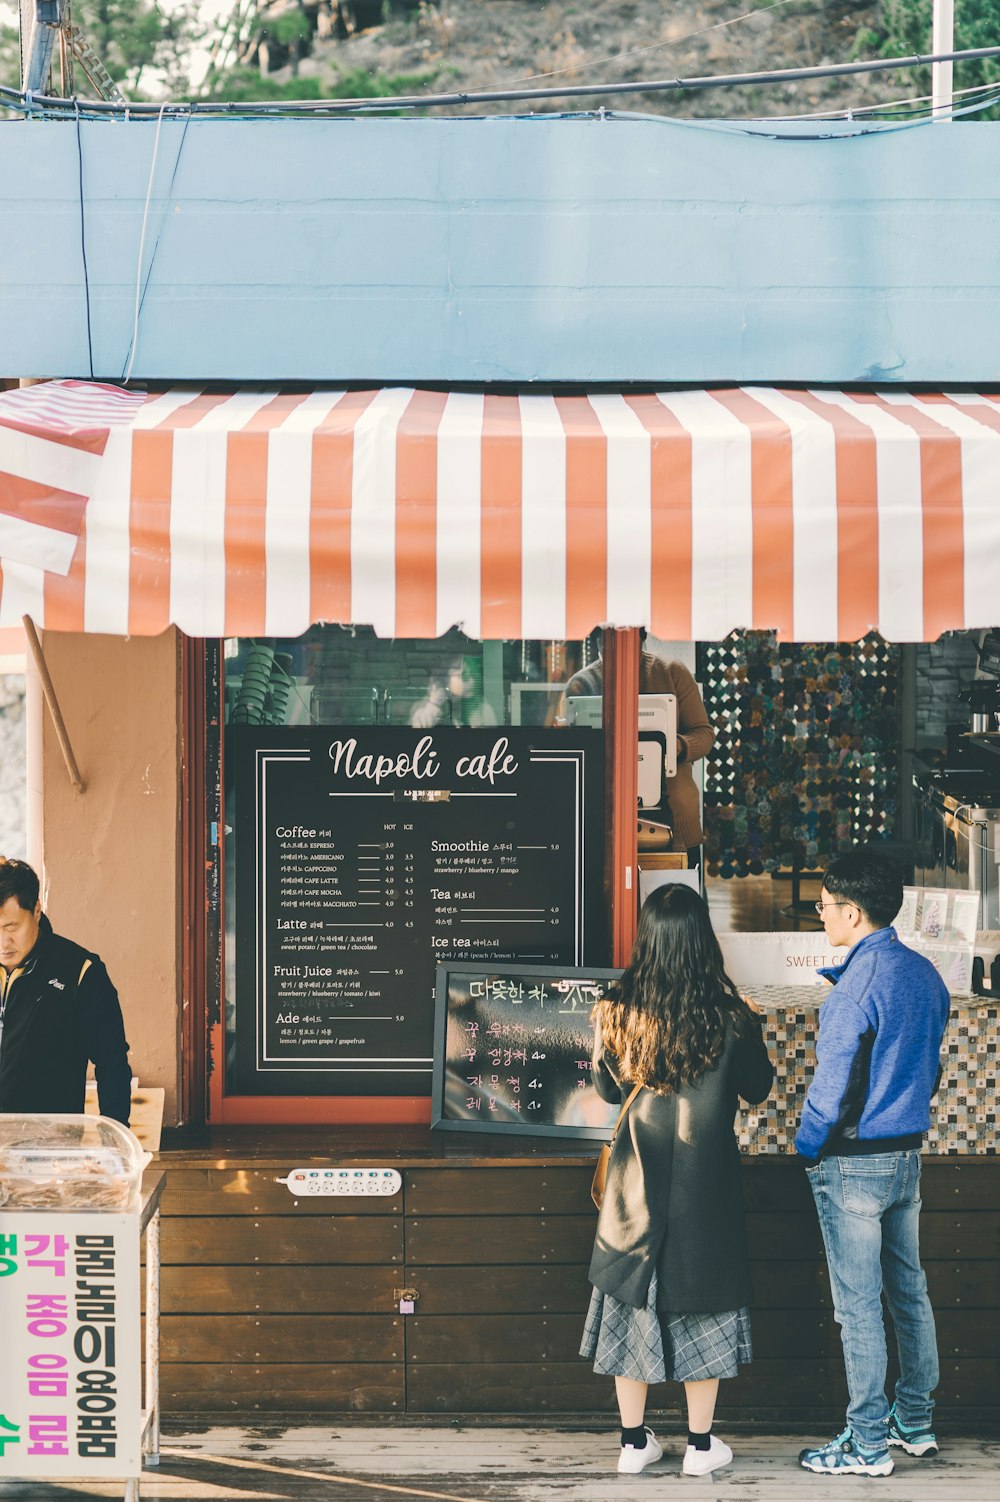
{"x":192,"y":1092}
{"x":621,"y":760}
{"x":621,"y":732}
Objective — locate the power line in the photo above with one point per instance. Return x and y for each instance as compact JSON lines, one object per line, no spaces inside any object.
{"x":331,"y":107}
{"x":83,"y":245}
{"x":914,"y":103}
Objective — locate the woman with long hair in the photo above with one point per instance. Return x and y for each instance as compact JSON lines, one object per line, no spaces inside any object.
{"x":669,"y":1271}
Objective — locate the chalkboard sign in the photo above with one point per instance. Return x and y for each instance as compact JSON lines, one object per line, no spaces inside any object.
{"x":512,"y":1050}
{"x":365,"y":856}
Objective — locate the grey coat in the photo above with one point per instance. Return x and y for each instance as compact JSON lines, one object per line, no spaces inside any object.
{"x":673,"y":1196}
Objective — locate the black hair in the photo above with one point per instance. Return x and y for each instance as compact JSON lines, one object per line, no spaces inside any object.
{"x":666,"y":1018}
{"x":869,"y":879}
{"x":17,"y":879}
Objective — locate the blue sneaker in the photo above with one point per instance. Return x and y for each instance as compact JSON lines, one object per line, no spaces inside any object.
{"x":843,"y":1457}
{"x":920,"y":1441}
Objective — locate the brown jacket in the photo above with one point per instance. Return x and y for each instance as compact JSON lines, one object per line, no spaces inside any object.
{"x":693,"y":731}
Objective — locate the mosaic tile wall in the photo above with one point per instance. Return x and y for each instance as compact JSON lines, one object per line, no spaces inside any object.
{"x":966,"y":1112}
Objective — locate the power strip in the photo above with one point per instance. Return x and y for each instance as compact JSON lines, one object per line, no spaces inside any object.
{"x":342,"y":1181}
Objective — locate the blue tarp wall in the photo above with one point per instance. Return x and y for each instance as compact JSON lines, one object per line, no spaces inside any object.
{"x":573,"y":249}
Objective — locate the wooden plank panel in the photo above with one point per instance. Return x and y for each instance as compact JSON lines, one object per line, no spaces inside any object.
{"x":359,"y":1145}
{"x":777,"y":1236}
{"x":267,"y":1339}
{"x":946,"y":1183}
{"x":768,"y":1184}
{"x":500,"y":1191}
{"x":187,"y":1387}
{"x":282,"y":1239}
{"x":799,"y":1383}
{"x":791,"y":1236}
{"x":483,"y":1239}
{"x":967,"y":1332}
{"x":500,"y":1290}
{"x":789,"y":1285}
{"x":249,"y":1191}
{"x":461,"y":1338}
{"x":806,"y":1284}
{"x":777,"y":1334}
{"x":515,"y":1388}
{"x":779,"y":1187}
{"x":279,"y":1290}
{"x":457,"y":1339}
{"x":784,"y":1235}
{"x":454,"y":1339}
{"x":974,"y":1234}
{"x":566,"y":1387}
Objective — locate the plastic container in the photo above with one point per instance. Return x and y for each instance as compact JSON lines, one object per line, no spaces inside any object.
{"x":68,"y":1163}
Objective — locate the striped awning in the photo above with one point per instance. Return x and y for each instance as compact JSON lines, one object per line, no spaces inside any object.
{"x":820,"y":514}
{"x":52,"y":437}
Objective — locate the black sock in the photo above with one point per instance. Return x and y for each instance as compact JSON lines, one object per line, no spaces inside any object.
{"x":700,"y":1441}
{"x":636,"y":1437}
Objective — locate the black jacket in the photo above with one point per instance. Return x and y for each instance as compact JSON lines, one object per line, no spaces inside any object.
{"x":60,"y":1010}
{"x":673,"y":1197}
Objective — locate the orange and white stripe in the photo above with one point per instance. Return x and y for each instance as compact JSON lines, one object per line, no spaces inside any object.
{"x":52,"y":437}
{"x":819,"y":514}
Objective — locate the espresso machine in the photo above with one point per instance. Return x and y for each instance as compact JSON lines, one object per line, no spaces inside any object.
{"x":957,"y":805}
{"x":983,"y":696}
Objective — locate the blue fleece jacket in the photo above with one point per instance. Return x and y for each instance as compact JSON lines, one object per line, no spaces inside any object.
{"x":880,"y":1033}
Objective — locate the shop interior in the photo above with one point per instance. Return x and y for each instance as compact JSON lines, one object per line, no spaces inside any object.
{"x":817,"y":745}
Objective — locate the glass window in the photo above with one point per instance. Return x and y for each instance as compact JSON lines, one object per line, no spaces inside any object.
{"x":325,"y":875}
{"x":336,"y":675}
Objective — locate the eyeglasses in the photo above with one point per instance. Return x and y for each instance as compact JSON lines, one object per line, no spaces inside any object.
{"x":821,"y":907}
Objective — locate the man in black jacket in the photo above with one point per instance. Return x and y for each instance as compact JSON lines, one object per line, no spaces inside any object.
{"x":58,"y":1009}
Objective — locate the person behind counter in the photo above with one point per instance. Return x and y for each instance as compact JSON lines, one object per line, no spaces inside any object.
{"x":669,"y":1268}
{"x":865,"y":1113}
{"x":695,"y":737}
{"x":58,"y":1009}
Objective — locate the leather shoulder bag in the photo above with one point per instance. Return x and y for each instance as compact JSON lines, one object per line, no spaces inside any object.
{"x":604,"y":1156}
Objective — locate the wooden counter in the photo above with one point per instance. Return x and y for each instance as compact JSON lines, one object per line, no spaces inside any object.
{"x":278,"y":1305}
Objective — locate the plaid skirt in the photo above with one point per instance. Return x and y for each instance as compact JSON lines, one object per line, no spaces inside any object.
{"x":650,"y":1345}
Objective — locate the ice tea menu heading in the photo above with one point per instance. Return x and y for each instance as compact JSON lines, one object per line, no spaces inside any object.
{"x":365,"y":857}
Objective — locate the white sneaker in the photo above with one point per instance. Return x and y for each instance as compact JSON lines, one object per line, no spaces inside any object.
{"x":700,"y":1462}
{"x":632,"y":1460}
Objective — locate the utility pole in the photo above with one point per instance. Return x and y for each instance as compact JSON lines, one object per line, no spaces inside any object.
{"x":40,"y":22}
{"x":942,"y":40}
{"x":44,"y":23}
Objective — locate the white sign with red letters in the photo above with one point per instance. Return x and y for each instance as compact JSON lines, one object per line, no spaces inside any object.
{"x":779,"y":959}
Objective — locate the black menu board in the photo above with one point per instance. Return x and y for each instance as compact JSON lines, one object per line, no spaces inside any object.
{"x":512,"y":1050}
{"x":366,"y":856}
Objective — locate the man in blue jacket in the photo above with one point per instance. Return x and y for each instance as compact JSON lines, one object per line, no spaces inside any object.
{"x":862,"y":1125}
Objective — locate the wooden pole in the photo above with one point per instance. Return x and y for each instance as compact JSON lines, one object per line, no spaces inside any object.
{"x":621,"y":652}
{"x":48,"y":689}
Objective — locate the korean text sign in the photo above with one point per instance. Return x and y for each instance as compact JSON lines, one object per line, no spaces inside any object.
{"x":69,"y":1313}
{"x":512,"y":1050}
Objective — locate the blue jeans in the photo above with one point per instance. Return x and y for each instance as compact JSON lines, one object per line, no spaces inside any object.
{"x":869,"y":1213}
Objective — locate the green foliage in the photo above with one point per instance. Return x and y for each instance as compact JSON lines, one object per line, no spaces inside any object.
{"x":290,"y":28}
{"x":137,"y":43}
{"x":10,"y":57}
{"x":245,"y":85}
{"x":904,"y":27}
